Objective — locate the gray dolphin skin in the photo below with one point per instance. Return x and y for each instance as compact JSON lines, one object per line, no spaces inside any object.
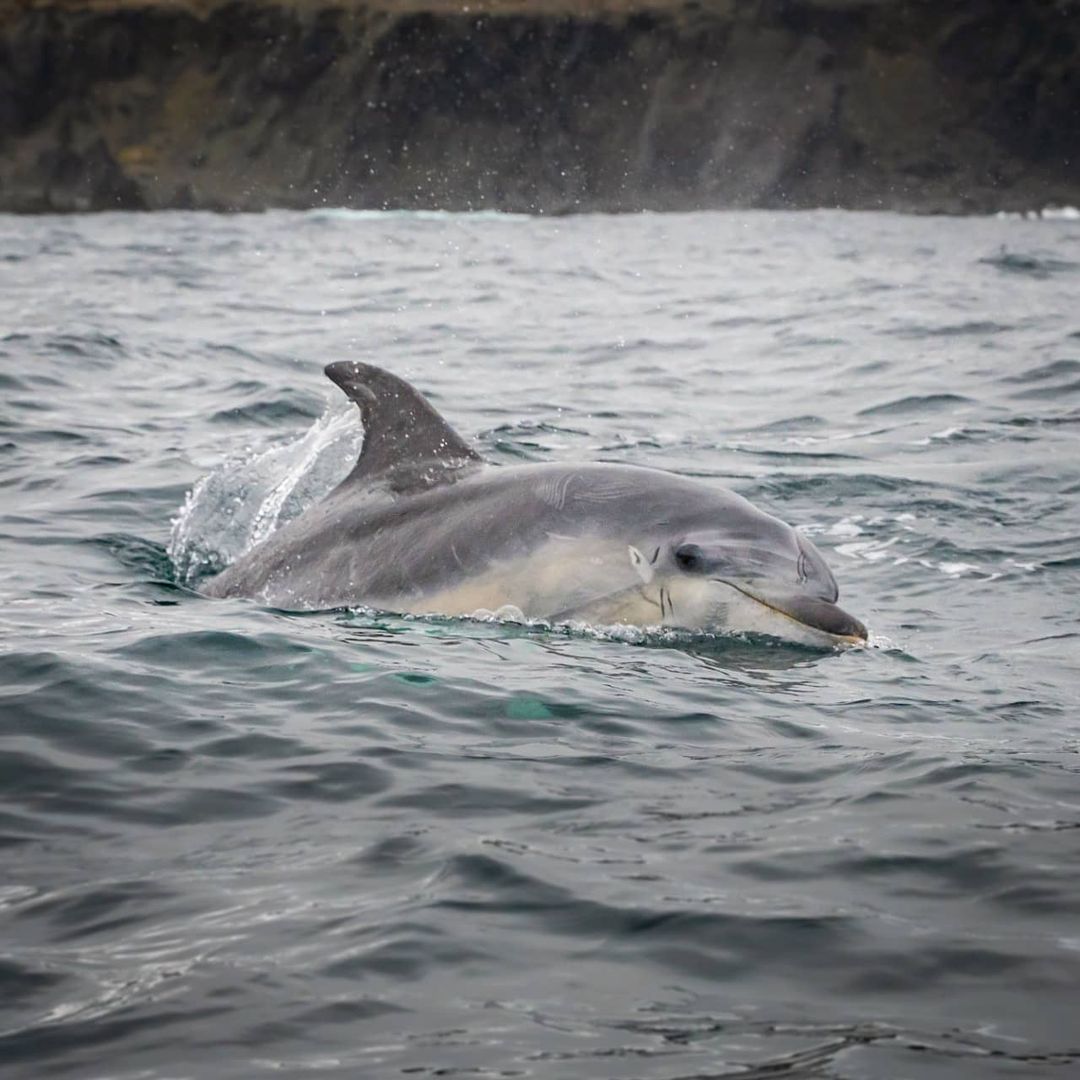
{"x":423,"y":526}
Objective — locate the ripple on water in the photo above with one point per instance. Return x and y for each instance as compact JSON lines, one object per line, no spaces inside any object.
{"x":916,"y":404}
{"x":239,"y":842}
{"x":1030,"y":264}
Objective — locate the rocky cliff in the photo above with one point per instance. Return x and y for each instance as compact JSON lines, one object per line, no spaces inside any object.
{"x":539,"y":105}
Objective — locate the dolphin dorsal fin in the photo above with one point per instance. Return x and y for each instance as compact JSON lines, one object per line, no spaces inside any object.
{"x":406,"y":442}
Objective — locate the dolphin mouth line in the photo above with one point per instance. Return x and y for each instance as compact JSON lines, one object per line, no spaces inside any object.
{"x":859,"y":637}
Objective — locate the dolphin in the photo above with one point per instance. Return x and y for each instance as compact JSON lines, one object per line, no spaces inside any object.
{"x":422,"y":525}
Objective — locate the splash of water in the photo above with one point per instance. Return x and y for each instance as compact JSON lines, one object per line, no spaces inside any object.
{"x":247,"y":498}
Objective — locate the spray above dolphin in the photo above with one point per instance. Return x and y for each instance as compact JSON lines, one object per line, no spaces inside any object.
{"x":423,"y":526}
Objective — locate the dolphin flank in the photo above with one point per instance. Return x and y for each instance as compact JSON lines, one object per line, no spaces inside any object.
{"x":422,"y":525}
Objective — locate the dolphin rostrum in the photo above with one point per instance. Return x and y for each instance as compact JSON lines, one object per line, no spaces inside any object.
{"x":423,"y":526}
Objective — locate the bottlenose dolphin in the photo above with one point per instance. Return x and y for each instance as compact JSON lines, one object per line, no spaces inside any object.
{"x":423,"y":526}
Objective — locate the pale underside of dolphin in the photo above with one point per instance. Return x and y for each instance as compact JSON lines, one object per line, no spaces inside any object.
{"x":423,"y":526}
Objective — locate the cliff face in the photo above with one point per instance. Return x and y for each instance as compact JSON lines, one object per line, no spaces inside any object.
{"x":532,"y":106}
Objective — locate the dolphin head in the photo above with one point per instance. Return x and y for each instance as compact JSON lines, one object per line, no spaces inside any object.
{"x":743,"y":571}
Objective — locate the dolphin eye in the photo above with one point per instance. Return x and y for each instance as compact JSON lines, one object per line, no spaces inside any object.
{"x":690,"y":558}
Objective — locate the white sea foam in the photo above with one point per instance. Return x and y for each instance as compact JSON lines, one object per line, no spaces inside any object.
{"x":344,"y":213}
{"x":1047,"y":213}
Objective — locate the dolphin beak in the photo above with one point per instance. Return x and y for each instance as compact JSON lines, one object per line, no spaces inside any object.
{"x":809,"y":610}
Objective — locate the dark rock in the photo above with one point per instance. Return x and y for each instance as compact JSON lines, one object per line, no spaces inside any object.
{"x":902,"y":104}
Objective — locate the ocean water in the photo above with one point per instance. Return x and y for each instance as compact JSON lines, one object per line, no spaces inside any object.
{"x":239,"y":843}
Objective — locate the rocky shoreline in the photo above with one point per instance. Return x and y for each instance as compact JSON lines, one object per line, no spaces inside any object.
{"x":542,"y":107}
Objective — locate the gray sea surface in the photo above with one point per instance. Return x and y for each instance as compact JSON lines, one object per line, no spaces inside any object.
{"x":238,"y":843}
